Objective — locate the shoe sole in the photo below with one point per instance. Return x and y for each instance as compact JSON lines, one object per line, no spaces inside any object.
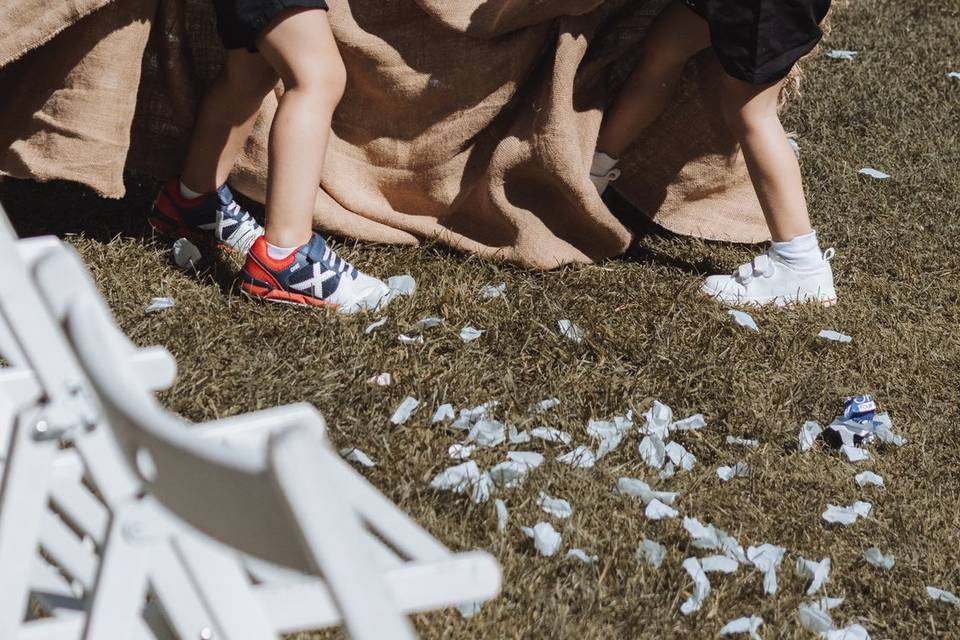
{"x":174,"y":230}
{"x":279,"y":296}
{"x":775,"y":302}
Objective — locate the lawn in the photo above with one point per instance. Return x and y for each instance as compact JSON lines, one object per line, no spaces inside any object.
{"x":649,"y":335}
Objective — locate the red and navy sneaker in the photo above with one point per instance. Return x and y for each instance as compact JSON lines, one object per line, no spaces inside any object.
{"x":213,"y":218}
{"x":313,"y":275}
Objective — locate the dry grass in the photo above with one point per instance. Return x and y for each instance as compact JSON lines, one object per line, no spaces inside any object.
{"x":650,"y":336}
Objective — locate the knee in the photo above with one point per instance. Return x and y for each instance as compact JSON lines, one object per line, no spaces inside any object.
{"x":323,"y":83}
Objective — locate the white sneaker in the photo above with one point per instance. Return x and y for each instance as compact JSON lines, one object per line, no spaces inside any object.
{"x":768,"y":280}
{"x":603,"y":171}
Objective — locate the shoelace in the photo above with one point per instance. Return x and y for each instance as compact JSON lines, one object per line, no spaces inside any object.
{"x":336,"y":263}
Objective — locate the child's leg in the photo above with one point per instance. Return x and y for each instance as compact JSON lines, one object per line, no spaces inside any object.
{"x":751,"y":114}
{"x":675,"y":36}
{"x":227,"y":114}
{"x":301,"y":48}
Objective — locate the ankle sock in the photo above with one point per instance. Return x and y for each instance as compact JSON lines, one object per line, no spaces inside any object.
{"x":602,"y":164}
{"x":279,"y":253}
{"x":187,"y":192}
{"x":802,"y":251}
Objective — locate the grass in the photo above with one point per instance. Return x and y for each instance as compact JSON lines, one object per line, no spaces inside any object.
{"x":650,"y":335}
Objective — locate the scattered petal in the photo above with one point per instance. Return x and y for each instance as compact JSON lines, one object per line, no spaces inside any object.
{"x":743,"y":625}
{"x":382,"y":380}
{"x":943,"y":596}
{"x":651,"y":552}
{"x":640,"y":489}
{"x":545,"y":405}
{"x":428,"y":323}
{"x":835,"y":336}
{"x":355,"y":455}
{"x":680,"y":456}
{"x":469,"y":334}
{"x":159,"y":304}
{"x":855,"y":454}
{"x":653,"y":451}
{"x":530,"y":458}
{"x":841,"y":54}
{"x":877,"y":558}
{"x":405,"y":339}
{"x":443,"y":413}
{"x":570,"y":331}
{"x":549,"y":434}
{"x":405,"y":410}
{"x":739,"y":470}
{"x":656,"y":510}
{"x":874,"y":173}
{"x":701,"y":586}
{"x":458,"y":478}
{"x":373,"y":326}
{"x":582,"y":556}
{"x":502,"y":515}
{"x":186,"y":255}
{"x":809,"y":433}
{"x":744,"y":319}
{"x":865,"y":478}
{"x":743,"y":442}
{"x":461,"y":451}
{"x":721,"y":564}
{"x":487,"y":433}
{"x":489,"y":292}
{"x":817,"y":572}
{"x":580,"y":458}
{"x":545,"y":538}
{"x":767,"y":558}
{"x":517,"y":437}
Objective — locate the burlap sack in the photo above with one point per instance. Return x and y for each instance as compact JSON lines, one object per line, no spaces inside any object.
{"x":472,"y":122}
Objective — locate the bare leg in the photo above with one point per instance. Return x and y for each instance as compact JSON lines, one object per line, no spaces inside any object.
{"x":751,"y":114}
{"x":676,"y":35}
{"x":226,"y":116}
{"x":301,"y":48}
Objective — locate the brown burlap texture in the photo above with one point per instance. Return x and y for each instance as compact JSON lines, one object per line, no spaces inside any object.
{"x":472,"y":122}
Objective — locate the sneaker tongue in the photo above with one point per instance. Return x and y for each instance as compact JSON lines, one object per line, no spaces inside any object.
{"x":224,"y":195}
{"x":316,"y":248}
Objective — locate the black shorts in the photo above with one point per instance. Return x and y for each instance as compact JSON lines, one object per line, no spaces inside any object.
{"x":759,"y":41}
{"x":240,"y":22}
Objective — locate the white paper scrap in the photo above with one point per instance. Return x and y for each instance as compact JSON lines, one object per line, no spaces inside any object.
{"x":701,"y":586}
{"x":841,"y":54}
{"x":814,"y":619}
{"x":651,"y":552}
{"x":719,"y":564}
{"x":668,"y":471}
{"x":739,"y":470}
{"x":428,"y":323}
{"x":186,"y":255}
{"x":469,"y":609}
{"x":405,"y":410}
{"x":458,"y":478}
{"x":545,"y":538}
{"x":461,"y":451}
{"x":943,"y":596}
{"x":876,"y":174}
{"x":509,"y":474}
{"x":549,"y":434}
{"x":487,"y":433}
{"x":373,"y":326}
{"x":878,"y":559}
{"x":469,"y":334}
{"x":530,"y":458}
{"x":582,"y":556}
{"x":159,"y":304}
{"x":853,"y":632}
{"x":954,"y":74}
{"x":743,"y":442}
{"x":865,"y":478}
{"x":835,"y":336}
{"x":657,"y":420}
{"x":652,"y":451}
{"x":640,"y":489}
{"x":489,"y":292}
{"x":482,"y":488}
{"x":680,"y":456}
{"x":405,"y":339}
{"x":580,"y":458}
{"x":545,"y":405}
{"x":855,"y":454}
{"x":608,"y":444}
{"x":517,"y":437}
{"x":503,"y":516}
{"x":692,"y":423}
{"x":656,"y":510}
{"x":355,"y":455}
{"x":847,"y":515}
{"x":404,"y":285}
{"x":809,"y":433}
{"x":767,"y":558}
{"x":381,"y":380}
{"x":743,"y":625}
{"x":556,"y":507}
{"x":744,"y":319}
{"x":817,"y":572}
{"x":443,"y":413}
{"x":570,"y":331}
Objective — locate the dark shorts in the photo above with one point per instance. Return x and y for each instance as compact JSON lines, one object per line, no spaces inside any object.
{"x":240,"y":22}
{"x":759,"y":41}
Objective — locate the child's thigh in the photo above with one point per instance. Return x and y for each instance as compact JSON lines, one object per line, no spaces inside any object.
{"x":300,"y":46}
{"x":677,"y":34}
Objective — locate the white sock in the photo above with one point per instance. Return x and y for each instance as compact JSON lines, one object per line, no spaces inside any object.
{"x":279,"y":253}
{"x":187,"y":192}
{"x":801,"y":251}
{"x":602,"y":164}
